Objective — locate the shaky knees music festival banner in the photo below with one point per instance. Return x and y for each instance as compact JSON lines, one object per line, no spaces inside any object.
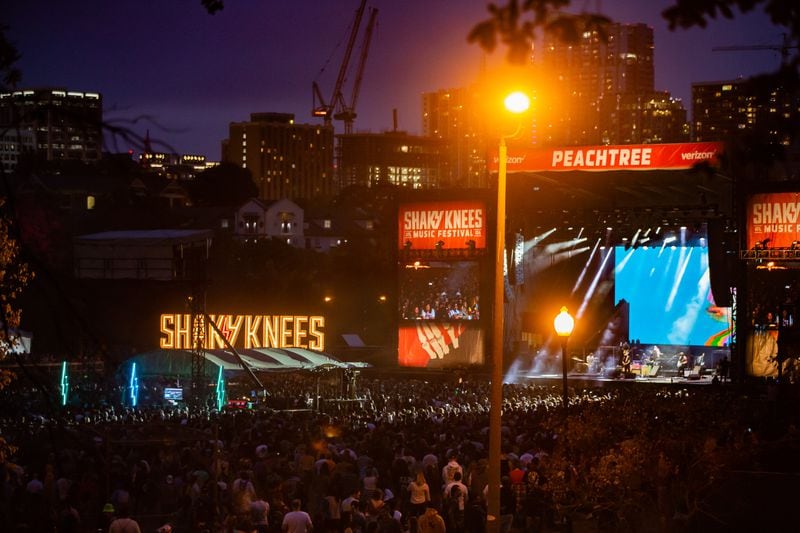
{"x":604,"y":158}
{"x":774,"y":218}
{"x":451,"y":225}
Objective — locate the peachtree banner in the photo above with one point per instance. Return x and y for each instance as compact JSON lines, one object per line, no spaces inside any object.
{"x":454,"y":224}
{"x":773,"y":216}
{"x":603,"y":158}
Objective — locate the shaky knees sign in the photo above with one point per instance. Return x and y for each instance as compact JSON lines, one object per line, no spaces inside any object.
{"x":774,"y":218}
{"x":244,"y":331}
{"x":450,"y":225}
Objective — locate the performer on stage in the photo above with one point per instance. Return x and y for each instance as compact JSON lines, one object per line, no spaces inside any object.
{"x":625,"y":360}
{"x":655,"y":355}
{"x":683,"y":363}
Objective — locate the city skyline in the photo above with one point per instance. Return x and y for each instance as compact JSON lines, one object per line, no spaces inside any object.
{"x":194,"y":73}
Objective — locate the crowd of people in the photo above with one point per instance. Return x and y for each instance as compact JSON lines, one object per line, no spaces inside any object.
{"x":410,"y":457}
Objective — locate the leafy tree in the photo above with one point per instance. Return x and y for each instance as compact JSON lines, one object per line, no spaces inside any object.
{"x":9,"y":74}
{"x":515,"y":24}
{"x":226,"y":184}
{"x":14,"y":275}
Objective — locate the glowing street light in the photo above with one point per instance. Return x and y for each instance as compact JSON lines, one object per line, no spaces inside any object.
{"x":516,"y":102}
{"x":564,"y":324}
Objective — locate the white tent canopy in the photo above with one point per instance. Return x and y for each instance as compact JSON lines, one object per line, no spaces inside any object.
{"x":258,"y":359}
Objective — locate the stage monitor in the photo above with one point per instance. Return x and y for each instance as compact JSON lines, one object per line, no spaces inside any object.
{"x":173,"y":394}
{"x":669,"y":292}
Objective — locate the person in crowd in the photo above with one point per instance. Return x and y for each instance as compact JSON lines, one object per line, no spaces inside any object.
{"x":259,"y":514}
{"x":449,"y":470}
{"x":297,"y":520}
{"x":431,"y":521}
{"x":448,"y":489}
{"x":419,"y":494}
{"x":124,"y":523}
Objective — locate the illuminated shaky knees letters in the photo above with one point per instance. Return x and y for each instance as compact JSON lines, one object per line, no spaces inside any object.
{"x":246,"y":331}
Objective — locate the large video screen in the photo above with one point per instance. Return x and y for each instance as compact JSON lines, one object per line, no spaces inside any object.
{"x":434,"y":344}
{"x":669,"y":293}
{"x":440,"y":291}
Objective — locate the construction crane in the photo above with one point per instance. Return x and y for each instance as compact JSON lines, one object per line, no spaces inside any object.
{"x":325,"y":109}
{"x":347,"y":113}
{"x":782,"y":48}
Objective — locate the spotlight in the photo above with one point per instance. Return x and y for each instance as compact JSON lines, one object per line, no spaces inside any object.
{"x":439,"y":245}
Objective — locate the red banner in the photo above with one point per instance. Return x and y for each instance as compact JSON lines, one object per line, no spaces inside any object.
{"x":450,"y":225}
{"x":774,"y":218}
{"x":604,"y":158}
{"x":430,"y":344}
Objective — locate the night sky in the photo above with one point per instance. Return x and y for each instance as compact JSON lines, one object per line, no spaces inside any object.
{"x":193,"y":73}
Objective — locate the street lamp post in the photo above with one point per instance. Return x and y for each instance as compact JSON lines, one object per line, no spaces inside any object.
{"x":564,"y":323}
{"x":515,"y":102}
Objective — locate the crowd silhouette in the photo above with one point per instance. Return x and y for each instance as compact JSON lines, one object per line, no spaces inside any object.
{"x":410,"y":456}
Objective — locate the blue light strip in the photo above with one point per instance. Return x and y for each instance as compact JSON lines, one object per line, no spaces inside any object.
{"x":220,"y":390}
{"x":64,"y":383}
{"x":134,"y":386}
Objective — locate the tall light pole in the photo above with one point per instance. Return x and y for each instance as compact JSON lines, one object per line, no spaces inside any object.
{"x":516,"y":102}
{"x":564,"y":323}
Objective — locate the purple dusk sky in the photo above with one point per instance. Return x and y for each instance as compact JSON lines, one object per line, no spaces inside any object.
{"x":194,"y":73}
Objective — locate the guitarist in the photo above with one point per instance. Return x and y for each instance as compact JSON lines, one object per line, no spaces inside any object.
{"x":625,"y":360}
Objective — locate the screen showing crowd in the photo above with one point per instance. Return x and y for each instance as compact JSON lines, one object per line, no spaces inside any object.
{"x":440,"y":291}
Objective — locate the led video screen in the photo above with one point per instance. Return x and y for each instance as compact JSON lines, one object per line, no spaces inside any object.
{"x":669,"y":293}
{"x":441,"y":291}
{"x":433,"y":344}
{"x":173,"y":394}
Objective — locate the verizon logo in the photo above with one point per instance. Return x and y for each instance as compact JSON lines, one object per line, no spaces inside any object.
{"x":697,"y":156}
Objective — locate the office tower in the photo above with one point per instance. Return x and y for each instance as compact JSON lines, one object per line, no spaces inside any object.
{"x":454,"y":116}
{"x":66,"y":124}
{"x":286,"y":160}
{"x":393,"y":157}
{"x":602,"y":92}
{"x":726,"y":108}
{"x":14,"y":143}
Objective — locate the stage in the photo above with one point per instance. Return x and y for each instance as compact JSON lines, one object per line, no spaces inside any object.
{"x":597,"y":379}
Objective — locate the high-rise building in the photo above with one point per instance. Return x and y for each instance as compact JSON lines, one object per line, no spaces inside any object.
{"x":66,"y":124}
{"x":393,"y":157}
{"x":454,"y":116}
{"x":725,"y":108}
{"x":14,"y":142}
{"x":663,"y":119}
{"x":286,"y":160}
{"x":603,"y":91}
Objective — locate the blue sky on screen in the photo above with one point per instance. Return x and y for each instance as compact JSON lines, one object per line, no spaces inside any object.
{"x":669,"y":293}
